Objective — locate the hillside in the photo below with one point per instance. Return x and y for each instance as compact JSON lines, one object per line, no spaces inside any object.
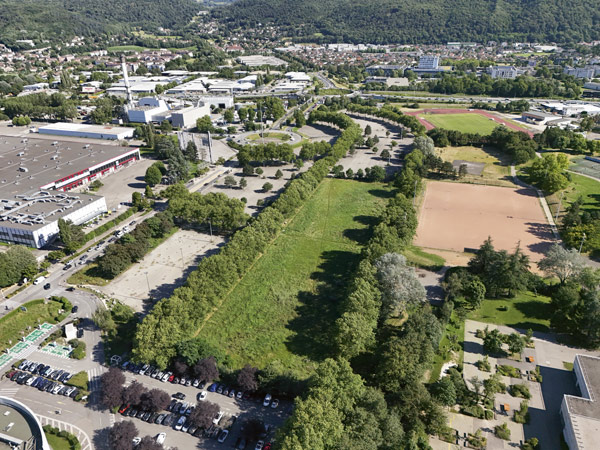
{"x":422,"y":21}
{"x":55,"y":19}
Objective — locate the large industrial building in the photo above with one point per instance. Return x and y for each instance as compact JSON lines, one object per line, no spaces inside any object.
{"x":87,"y":131}
{"x":35,"y":176}
{"x":20,"y":427}
{"x":580,"y":416}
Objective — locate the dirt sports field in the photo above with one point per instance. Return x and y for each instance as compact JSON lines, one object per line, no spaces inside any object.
{"x":486,"y":114}
{"x":458,"y":216}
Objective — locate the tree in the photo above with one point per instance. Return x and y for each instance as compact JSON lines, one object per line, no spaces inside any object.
{"x":278,"y":174}
{"x":204,"y":124}
{"x":103,"y":319}
{"x":399,"y":284}
{"x":206,"y":369}
{"x":385,"y":154}
{"x":368,"y":130}
{"x":516,"y":343}
{"x":424,"y":144}
{"x":204,"y":413}
{"x":243,"y":183}
{"x":132,"y":394}
{"x":445,"y":391}
{"x":246,"y":378}
{"x":492,"y":341}
{"x":230,"y":181}
{"x":493,"y":385}
{"x":298,"y":164}
{"x":474,"y":293}
{"x":228,"y":115}
{"x":153,"y":176}
{"x":191,"y":152}
{"x":155,"y":400}
{"x":376,"y":174}
{"x":112,"y":386}
{"x":248,"y":170}
{"x":561,"y":263}
{"x":149,"y":443}
{"x":166,"y":126}
{"x":550,"y":172}
{"x":121,"y":435}
{"x":267,"y":187}
{"x":70,"y":234}
{"x":462,"y":171}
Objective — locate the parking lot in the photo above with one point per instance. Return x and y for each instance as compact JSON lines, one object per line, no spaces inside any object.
{"x":243,"y":409}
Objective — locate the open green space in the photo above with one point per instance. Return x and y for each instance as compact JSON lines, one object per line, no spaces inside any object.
{"x":19,"y":321}
{"x":579,"y":186}
{"x":285,"y":306}
{"x":526,"y":310}
{"x":465,"y":122}
{"x":420,"y":258}
{"x":126,"y":48}
{"x":496,"y":169}
{"x":283,"y":137}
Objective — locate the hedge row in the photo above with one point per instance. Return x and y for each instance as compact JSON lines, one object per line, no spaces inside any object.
{"x":389,"y":113}
{"x":178,"y":317}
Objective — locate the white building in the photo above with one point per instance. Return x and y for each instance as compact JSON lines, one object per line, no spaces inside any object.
{"x":186,"y":117}
{"x":148,"y":109}
{"x":87,"y":131}
{"x":580,"y":416}
{"x":428,"y":62}
{"x":506,"y":72}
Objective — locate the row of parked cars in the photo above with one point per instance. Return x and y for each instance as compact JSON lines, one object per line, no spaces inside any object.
{"x":44,"y":378}
{"x":164,"y":376}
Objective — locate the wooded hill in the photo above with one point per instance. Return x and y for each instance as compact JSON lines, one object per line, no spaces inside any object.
{"x":422,"y":21}
{"x":56,"y":19}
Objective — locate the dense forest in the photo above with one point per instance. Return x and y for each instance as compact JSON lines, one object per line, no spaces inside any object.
{"x":56,"y":19}
{"x":418,"y":21}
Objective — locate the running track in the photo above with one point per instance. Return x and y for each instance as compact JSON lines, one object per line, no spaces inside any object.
{"x":487,"y":114}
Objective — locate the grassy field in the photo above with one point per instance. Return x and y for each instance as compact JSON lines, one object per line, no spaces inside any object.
{"x":580,"y":186}
{"x":420,"y":258}
{"x":19,"y":321}
{"x":496,"y":169}
{"x":126,"y":48}
{"x":525,"y":311}
{"x":285,"y":306}
{"x":283,"y":137}
{"x":466,"y":123}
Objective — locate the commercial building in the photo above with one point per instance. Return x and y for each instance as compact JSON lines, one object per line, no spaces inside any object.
{"x":186,"y":117}
{"x":34,"y":179}
{"x":87,"y":131}
{"x":20,"y":427}
{"x":587,"y":72}
{"x":580,"y":416}
{"x":428,"y":62}
{"x":538,"y":117}
{"x":148,"y":109}
{"x":505,"y":72}
{"x":260,"y":60}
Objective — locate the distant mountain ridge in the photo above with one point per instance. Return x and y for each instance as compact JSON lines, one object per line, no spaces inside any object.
{"x":52,"y":19}
{"x":422,"y":21}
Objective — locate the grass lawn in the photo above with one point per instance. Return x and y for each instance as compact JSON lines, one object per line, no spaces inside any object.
{"x":58,"y":443}
{"x":126,"y":48}
{"x":16,"y":321}
{"x":283,"y":137}
{"x":496,"y":169}
{"x":420,"y":258}
{"x":525,"y":311}
{"x":466,"y":123}
{"x":285,"y":306}
{"x":580,"y":186}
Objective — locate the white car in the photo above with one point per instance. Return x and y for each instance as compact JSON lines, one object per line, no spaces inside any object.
{"x":259,"y":445}
{"x":275,"y":404}
{"x":267,"y":400}
{"x":218,"y":418}
{"x":223,"y":436}
{"x":180,"y":423}
{"x":202,"y":395}
{"x":137,"y":440}
{"x":161,"y":438}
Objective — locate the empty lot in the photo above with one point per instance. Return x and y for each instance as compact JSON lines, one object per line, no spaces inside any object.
{"x":461,"y":216}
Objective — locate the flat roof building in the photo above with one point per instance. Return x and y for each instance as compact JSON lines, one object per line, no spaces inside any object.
{"x":506,"y":72}
{"x":581,"y":415}
{"x":20,"y":428}
{"x":148,"y":109}
{"x":260,"y":60}
{"x":35,"y":176}
{"x":186,"y":117}
{"x":87,"y":131}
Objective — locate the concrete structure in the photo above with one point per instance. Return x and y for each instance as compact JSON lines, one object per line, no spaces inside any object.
{"x":148,"y":109}
{"x":87,"y":131}
{"x":186,"y":117}
{"x":506,"y":72}
{"x":260,"y":60}
{"x":581,"y":415}
{"x":34,"y":177}
{"x":223,"y":102}
{"x":70,"y":332}
{"x":571,"y":109}
{"x":20,"y":428}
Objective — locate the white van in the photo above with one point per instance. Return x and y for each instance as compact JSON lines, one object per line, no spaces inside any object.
{"x":39,"y":280}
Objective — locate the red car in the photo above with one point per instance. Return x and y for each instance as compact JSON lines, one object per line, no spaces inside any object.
{"x":267,"y":446}
{"x":171,"y":378}
{"x":124,"y":408}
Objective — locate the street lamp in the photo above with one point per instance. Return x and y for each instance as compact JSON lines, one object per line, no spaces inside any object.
{"x":147,"y":282}
{"x":582,"y":241}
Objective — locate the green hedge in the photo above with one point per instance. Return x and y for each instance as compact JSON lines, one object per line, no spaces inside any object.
{"x":71,"y":438}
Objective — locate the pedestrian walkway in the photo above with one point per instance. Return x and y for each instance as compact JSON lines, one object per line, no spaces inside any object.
{"x":94,"y":378}
{"x":26,"y":346}
{"x":9,"y":391}
{"x":84,"y":440}
{"x":59,"y":351}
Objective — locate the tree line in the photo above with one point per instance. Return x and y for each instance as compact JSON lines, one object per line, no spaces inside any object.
{"x":40,"y":106}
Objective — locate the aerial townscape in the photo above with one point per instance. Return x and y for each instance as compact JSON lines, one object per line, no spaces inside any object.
{"x":300,"y":225}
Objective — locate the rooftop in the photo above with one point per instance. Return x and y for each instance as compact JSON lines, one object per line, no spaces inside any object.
{"x":584,"y":412}
{"x":13,"y":426}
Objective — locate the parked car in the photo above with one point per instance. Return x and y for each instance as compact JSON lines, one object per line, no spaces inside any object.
{"x":275,"y":404}
{"x":180,"y":423}
{"x":239,"y":395}
{"x":220,"y":389}
{"x":213,"y":387}
{"x":202,"y":395}
{"x":267,"y":400}
{"x":179,"y":395}
{"x":160,"y":439}
{"x":123,"y":408}
{"x":259,"y":445}
{"x":223,"y":436}
{"x":218,"y":417}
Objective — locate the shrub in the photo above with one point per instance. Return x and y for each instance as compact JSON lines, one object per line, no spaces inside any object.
{"x":474,"y":411}
{"x":78,"y":349}
{"x":531,"y":444}
{"x":484,"y":364}
{"x":522,"y":415}
{"x":489,"y":414}
{"x":536,"y":375}
{"x":520,"y":390}
{"x":502,"y":431}
{"x":509,"y":371}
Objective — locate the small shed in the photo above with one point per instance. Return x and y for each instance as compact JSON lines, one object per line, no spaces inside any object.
{"x":70,"y":331}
